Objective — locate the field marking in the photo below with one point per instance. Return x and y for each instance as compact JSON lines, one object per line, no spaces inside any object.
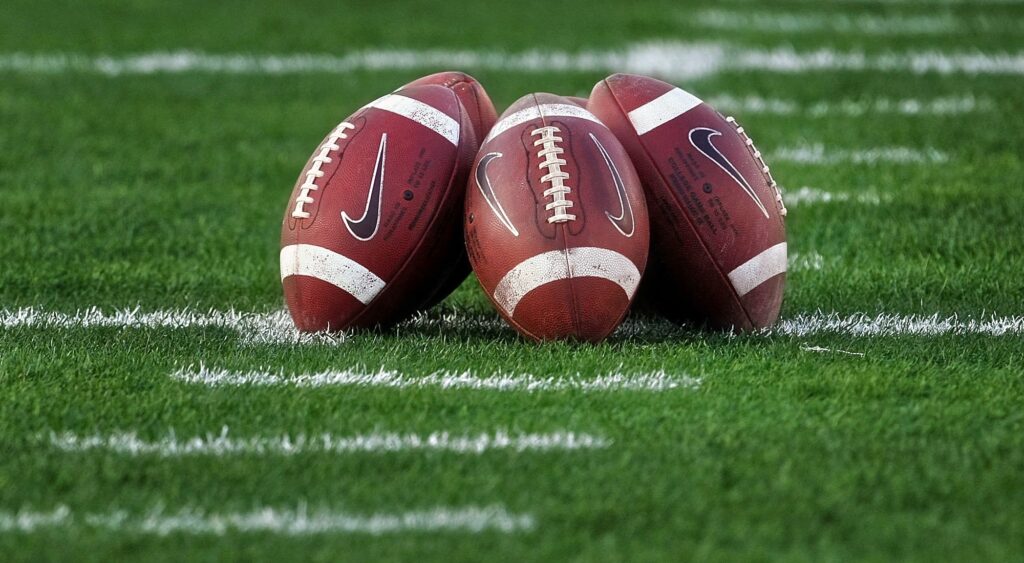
{"x":830,"y":350}
{"x":222,"y":444}
{"x":253,"y":328}
{"x":817,"y":154}
{"x":653,"y":382}
{"x":26,"y":521}
{"x":904,"y":2}
{"x":948,"y":105}
{"x":276,"y":328}
{"x":803,"y":261}
{"x":807,"y":196}
{"x":667,"y":59}
{"x":299,"y":521}
{"x":780,"y":22}
{"x":862,"y":324}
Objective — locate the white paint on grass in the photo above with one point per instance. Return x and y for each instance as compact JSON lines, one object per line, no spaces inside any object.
{"x":299,"y":521}
{"x":930,"y":3}
{"x":817,"y":154}
{"x":803,"y":261}
{"x":822,"y":349}
{"x":672,"y":60}
{"x":525,"y":383}
{"x":949,"y":105}
{"x":27,"y":521}
{"x":253,"y":328}
{"x":222,"y":444}
{"x":885,"y":324}
{"x":782,"y":22}
{"x":808,"y":196}
{"x":276,"y":328}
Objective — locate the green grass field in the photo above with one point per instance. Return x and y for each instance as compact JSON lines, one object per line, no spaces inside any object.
{"x":895,"y":431}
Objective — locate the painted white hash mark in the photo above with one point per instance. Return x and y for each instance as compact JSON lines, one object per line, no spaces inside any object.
{"x":223,"y":444}
{"x":276,"y":328}
{"x":654,"y":382}
{"x":830,"y":350}
{"x":810,"y":196}
{"x":885,"y":324}
{"x":299,"y":521}
{"x":672,"y":60}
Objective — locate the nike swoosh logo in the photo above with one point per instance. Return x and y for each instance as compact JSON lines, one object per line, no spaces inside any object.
{"x":623,"y":222}
{"x":365,"y":227}
{"x":700,"y":138}
{"x":486,"y":190}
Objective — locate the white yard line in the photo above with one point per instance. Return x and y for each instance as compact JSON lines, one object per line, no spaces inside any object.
{"x":808,"y":196}
{"x":222,"y":444}
{"x":930,"y":3}
{"x":526,"y":383}
{"x":276,"y":328}
{"x":821,"y":349}
{"x":667,"y":59}
{"x":861,"y":324}
{"x":949,"y":105}
{"x":802,"y":261}
{"x":788,"y":22}
{"x":26,"y":521}
{"x":818,"y":154}
{"x":299,"y":521}
{"x":254,"y":328}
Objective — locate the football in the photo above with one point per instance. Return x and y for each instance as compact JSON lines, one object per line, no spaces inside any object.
{"x":582,"y":102}
{"x":371,"y":231}
{"x":556,"y":224}
{"x":471,"y":93}
{"x":718,"y":241}
{"x":482,"y":115}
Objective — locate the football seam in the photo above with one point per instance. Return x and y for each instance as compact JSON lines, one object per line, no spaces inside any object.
{"x":476,"y":99}
{"x":565,"y":246}
{"x":489,"y":292}
{"x":718,"y":268}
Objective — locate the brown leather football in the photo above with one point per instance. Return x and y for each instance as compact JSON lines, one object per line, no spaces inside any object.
{"x":556,"y":224}
{"x":482,"y":115}
{"x":372,"y":228}
{"x":471,"y":93}
{"x":718,"y":243}
{"x":582,"y":102}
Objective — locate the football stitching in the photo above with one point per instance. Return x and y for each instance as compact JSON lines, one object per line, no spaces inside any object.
{"x":764,"y":166}
{"x":315,"y":171}
{"x":689,"y":221}
{"x":550,"y":159}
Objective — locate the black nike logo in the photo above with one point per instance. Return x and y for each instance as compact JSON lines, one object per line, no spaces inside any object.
{"x":623,"y":222}
{"x":486,"y":190}
{"x":365,"y":227}
{"x":700,"y":138}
